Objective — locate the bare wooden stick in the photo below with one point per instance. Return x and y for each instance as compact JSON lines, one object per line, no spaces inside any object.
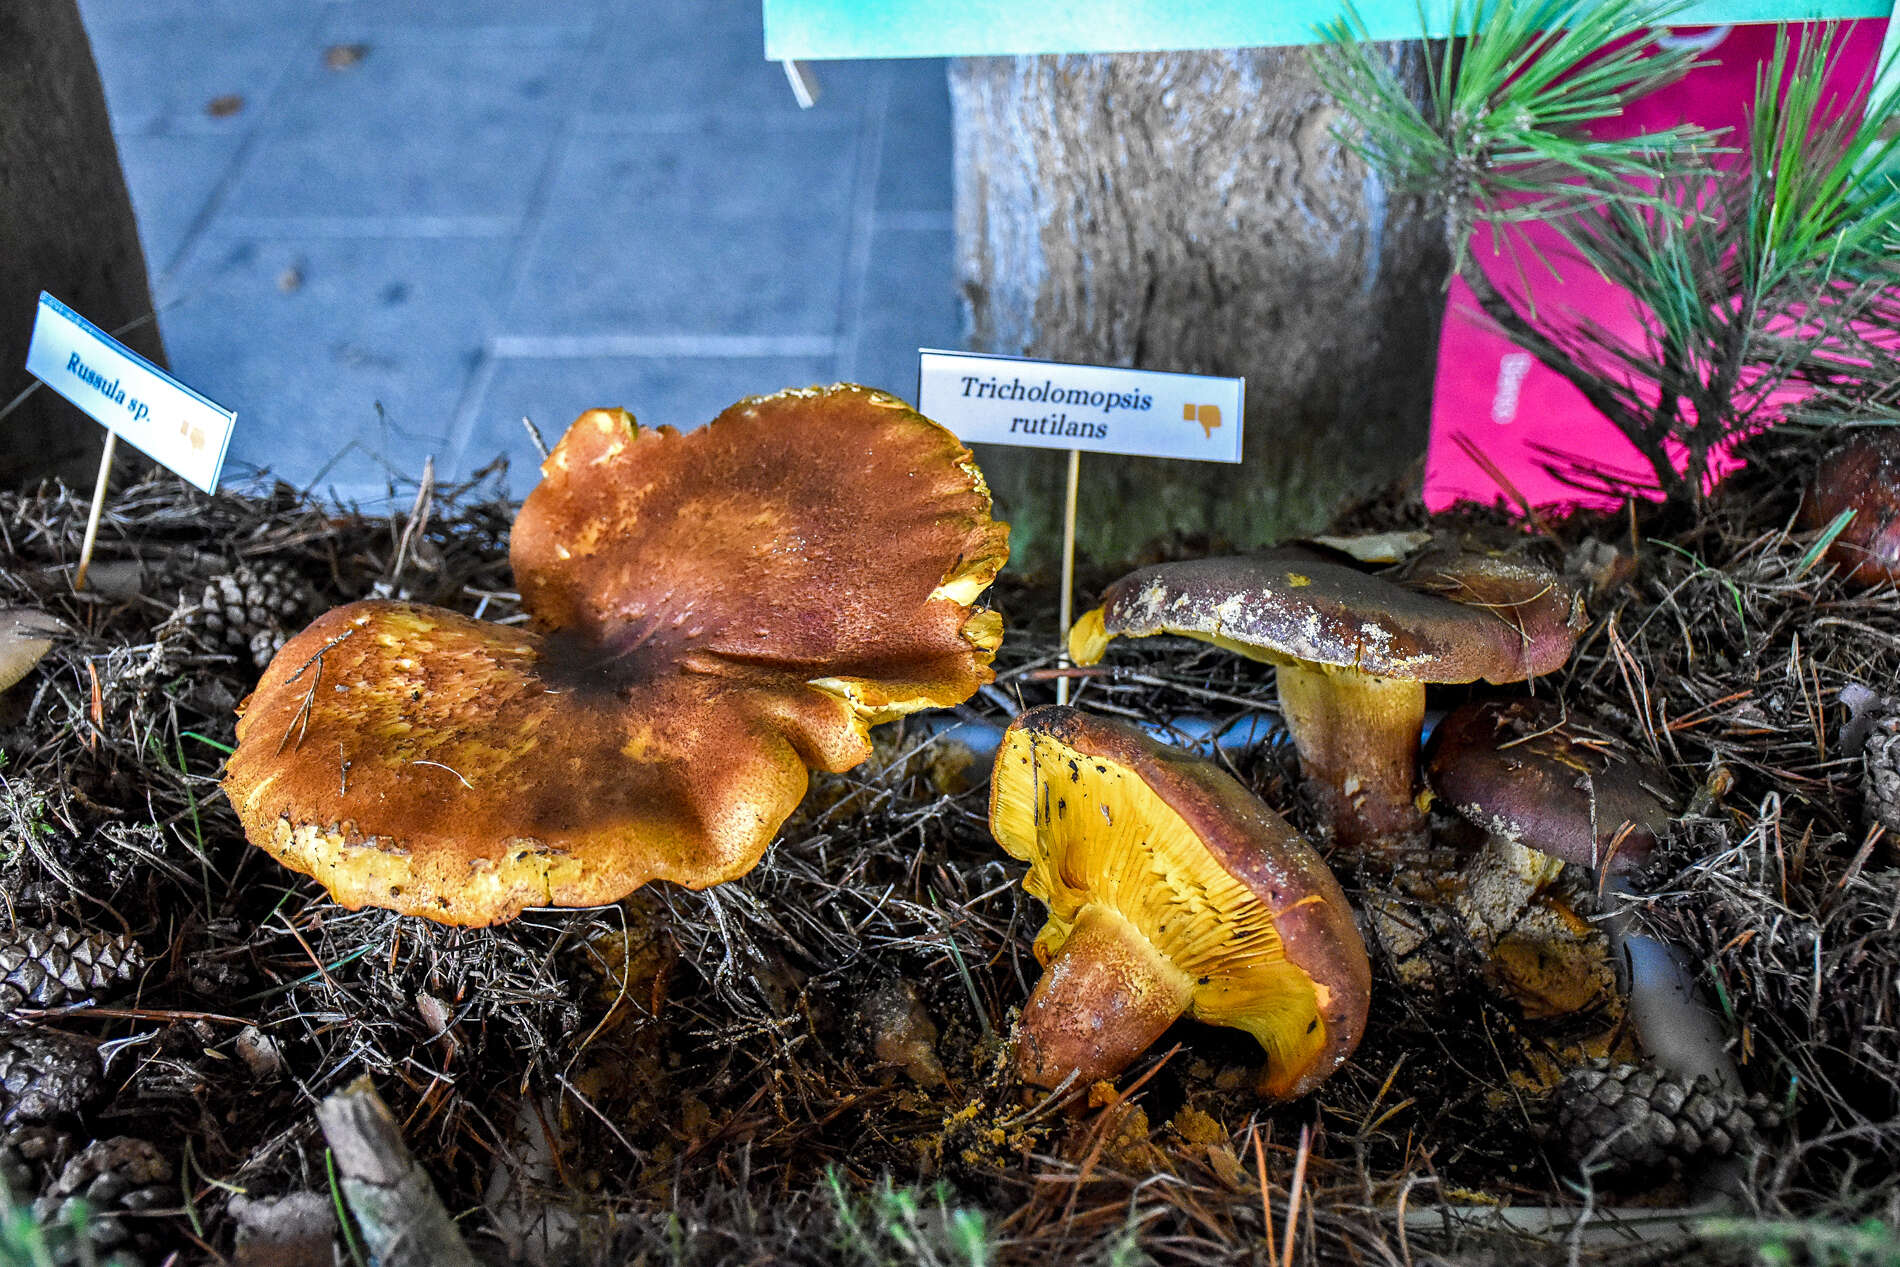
{"x":1068,"y":570}
{"x":403,"y":1221}
{"x":98,"y":508}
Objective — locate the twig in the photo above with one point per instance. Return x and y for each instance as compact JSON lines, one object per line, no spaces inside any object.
{"x":403,"y":1222}
{"x":300,"y":723}
{"x":1293,"y":1196}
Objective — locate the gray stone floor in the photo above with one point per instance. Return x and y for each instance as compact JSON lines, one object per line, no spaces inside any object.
{"x":406,"y":224}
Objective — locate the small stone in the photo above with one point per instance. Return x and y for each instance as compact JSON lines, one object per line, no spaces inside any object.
{"x":260,"y":1053}
{"x":294,"y":1230}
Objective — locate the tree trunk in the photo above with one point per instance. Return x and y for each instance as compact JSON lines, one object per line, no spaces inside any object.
{"x":1194,"y":212}
{"x":66,"y":227}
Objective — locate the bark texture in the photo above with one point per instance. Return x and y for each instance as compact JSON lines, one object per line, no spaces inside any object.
{"x":66,"y":227}
{"x":1194,"y":212}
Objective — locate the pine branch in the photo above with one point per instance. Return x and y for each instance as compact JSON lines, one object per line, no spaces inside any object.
{"x":1594,"y":387}
{"x":1753,"y":272}
{"x":1509,"y":104}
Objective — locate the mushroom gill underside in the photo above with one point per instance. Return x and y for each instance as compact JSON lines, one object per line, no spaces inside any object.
{"x":1141,"y":919}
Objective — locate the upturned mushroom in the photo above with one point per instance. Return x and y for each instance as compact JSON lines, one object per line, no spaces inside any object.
{"x":1550,"y":791}
{"x":1172,"y":891}
{"x":715,"y":613}
{"x":1353,"y":652}
{"x":26,"y":635}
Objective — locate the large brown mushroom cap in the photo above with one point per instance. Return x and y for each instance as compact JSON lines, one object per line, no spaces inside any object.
{"x":775,"y":606}
{"x":1526,"y":771}
{"x":1455,"y":617}
{"x":831,"y":532}
{"x":1207,"y":890}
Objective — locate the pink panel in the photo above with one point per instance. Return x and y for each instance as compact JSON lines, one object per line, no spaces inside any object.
{"x":1495,"y":395}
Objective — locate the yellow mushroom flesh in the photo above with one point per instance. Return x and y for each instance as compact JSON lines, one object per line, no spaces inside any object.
{"x":1145,"y":924}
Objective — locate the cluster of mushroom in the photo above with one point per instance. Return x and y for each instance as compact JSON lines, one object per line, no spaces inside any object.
{"x":1550,"y":791}
{"x":714,"y":614}
{"x":1250,"y":929}
{"x":1172,"y":891}
{"x":1354,"y":653}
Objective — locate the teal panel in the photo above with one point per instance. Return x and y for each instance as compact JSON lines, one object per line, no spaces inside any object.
{"x":819,"y":29}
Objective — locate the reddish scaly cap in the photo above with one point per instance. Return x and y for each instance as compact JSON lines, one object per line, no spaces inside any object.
{"x":1862,"y":476}
{"x":836,"y":532}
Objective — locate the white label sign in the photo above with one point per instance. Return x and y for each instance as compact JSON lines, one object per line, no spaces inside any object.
{"x":132,"y":397}
{"x":1049,"y":405}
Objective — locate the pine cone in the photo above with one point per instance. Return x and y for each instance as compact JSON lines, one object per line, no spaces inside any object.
{"x":46,"y":1075}
{"x":1880,"y":785}
{"x":1635,"y":1120}
{"x":112,"y":1177}
{"x":27,"y":1155}
{"x":45,"y":967}
{"x":254,"y":609}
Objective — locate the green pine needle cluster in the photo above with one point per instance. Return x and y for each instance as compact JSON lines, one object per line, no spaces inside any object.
{"x":27,"y":1241}
{"x":899,"y":1226}
{"x":1764,"y":268}
{"x":1502,"y":133}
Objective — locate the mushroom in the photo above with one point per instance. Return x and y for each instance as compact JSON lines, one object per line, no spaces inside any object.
{"x":26,"y":636}
{"x":1862,"y":476}
{"x":1353,"y":652}
{"x":714,"y":613}
{"x":1536,"y":779}
{"x":1172,"y":891}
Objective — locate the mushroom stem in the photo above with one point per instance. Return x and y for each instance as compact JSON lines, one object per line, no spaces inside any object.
{"x":1358,"y":738}
{"x":1505,"y":877}
{"x":1106,"y":997}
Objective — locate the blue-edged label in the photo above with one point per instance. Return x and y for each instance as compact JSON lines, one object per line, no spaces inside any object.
{"x":1052,"y":405}
{"x":816,"y":29}
{"x":132,"y":397}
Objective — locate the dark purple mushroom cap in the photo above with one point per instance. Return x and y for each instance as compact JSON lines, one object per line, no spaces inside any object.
{"x":1449,"y":618}
{"x":1524,"y":770}
{"x":1863,"y":476}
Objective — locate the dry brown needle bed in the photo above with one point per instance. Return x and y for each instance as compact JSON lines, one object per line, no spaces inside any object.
{"x":741,"y":1073}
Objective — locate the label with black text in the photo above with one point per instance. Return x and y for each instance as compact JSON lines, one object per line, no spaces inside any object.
{"x":1050,"y":405}
{"x":129,"y":395}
